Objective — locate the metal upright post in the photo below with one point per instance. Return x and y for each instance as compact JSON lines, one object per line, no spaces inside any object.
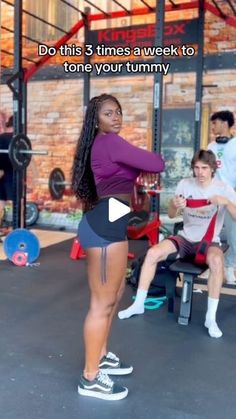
{"x":158,"y":91}
{"x":199,"y":77}
{"x":86,"y":58}
{"x":24,"y":131}
{"x":19,"y":115}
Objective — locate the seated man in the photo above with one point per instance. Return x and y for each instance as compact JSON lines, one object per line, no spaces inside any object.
{"x":221,"y":198}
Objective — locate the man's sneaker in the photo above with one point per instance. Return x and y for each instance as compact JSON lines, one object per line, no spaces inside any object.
{"x":230,"y":277}
{"x":101,"y":387}
{"x":110,"y":364}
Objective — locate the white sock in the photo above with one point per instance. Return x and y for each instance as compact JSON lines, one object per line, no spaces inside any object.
{"x":212,"y":305}
{"x":136,"y":308}
{"x":210,"y":321}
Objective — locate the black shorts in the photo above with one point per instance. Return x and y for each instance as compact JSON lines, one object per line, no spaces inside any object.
{"x":6,"y":187}
{"x":95,"y":229}
{"x":185,"y":248}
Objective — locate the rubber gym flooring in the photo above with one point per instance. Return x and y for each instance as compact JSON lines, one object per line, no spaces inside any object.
{"x":179,"y":372}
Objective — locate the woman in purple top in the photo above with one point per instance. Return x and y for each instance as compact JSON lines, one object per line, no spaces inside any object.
{"x":105,"y":166}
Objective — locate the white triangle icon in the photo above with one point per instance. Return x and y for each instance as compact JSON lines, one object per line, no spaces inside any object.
{"x":116,"y":209}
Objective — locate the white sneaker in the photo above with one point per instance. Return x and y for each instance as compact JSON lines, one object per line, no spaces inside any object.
{"x":230,"y":277}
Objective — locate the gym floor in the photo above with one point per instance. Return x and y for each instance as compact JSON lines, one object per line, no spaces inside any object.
{"x":179,"y":372}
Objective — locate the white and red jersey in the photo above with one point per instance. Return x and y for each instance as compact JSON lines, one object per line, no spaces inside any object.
{"x":197,"y":220}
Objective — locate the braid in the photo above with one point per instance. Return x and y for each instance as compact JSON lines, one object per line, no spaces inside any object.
{"x":83,"y":183}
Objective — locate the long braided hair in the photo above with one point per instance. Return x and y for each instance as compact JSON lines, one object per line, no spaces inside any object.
{"x":83,"y":183}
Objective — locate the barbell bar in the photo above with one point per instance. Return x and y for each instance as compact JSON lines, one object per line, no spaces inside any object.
{"x":154,"y":192}
{"x":40,"y":152}
{"x":57,"y":185}
{"x":63,"y":183}
{"x":20,"y":151}
{"x":43,"y":152}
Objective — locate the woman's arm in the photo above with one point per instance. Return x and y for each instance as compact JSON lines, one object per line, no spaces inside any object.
{"x":122,"y":152}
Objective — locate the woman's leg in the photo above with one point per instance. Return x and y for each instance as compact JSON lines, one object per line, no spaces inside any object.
{"x":119,"y":295}
{"x":103,"y":301}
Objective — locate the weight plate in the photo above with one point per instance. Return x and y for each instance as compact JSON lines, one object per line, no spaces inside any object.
{"x":22,"y":240}
{"x":19,"y":258}
{"x":54,"y":184}
{"x":31,"y":213}
{"x":18,"y":143}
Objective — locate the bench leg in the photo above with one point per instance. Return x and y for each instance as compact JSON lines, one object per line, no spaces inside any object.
{"x":186,"y":300}
{"x":170,"y":293}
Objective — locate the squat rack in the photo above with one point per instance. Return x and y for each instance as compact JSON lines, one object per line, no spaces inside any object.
{"x":21,"y":75}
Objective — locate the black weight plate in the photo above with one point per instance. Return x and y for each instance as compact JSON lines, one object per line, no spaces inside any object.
{"x":18,"y":143}
{"x":54,"y":184}
{"x":31,"y":213}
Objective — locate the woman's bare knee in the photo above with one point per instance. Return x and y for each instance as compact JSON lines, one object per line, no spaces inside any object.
{"x":102,"y":308}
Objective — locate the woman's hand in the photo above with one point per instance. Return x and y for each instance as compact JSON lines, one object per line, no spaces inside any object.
{"x":148,"y":180}
{"x":1,"y":173}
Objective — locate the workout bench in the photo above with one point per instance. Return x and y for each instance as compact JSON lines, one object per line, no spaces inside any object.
{"x":191,"y":272}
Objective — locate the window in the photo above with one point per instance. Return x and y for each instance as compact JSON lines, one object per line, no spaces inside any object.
{"x":54,"y":12}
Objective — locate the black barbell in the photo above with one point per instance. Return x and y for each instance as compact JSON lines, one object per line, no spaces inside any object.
{"x":57,"y":183}
{"x":20,"y":151}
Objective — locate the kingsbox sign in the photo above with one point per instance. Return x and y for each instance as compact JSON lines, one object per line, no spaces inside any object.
{"x":176,"y":33}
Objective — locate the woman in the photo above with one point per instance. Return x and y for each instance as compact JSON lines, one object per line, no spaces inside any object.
{"x":105,"y":166}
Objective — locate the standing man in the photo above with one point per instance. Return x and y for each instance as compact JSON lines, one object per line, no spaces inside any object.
{"x":6,"y":170}
{"x":224,"y":148}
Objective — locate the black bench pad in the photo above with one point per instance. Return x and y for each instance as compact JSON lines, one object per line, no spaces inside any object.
{"x":184,"y":266}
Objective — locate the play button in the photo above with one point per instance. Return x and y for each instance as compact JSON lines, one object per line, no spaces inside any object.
{"x":106,"y":222}
{"x":116,"y":209}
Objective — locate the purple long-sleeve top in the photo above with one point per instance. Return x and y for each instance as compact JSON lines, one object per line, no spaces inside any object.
{"x":116,"y":164}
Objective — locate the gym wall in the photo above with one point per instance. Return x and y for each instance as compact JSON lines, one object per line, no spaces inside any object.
{"x":55,"y":107}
